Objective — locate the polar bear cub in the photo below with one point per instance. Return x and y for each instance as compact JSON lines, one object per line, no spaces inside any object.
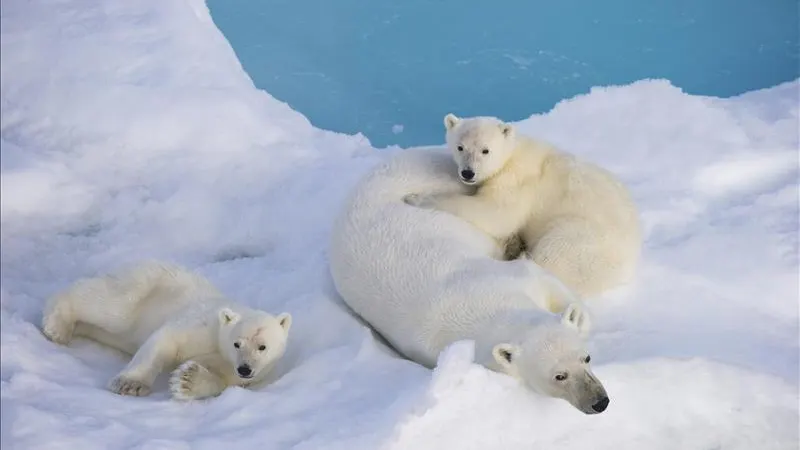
{"x":575,"y":219}
{"x":166,"y":316}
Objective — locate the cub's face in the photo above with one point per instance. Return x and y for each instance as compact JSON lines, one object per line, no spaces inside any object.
{"x":481,"y":146}
{"x":552,"y":360}
{"x":252,"y":344}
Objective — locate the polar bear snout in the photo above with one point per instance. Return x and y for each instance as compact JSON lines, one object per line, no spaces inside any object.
{"x":467,"y":176}
{"x":589,"y":395}
{"x":244,"y":371}
{"x":601,"y":405}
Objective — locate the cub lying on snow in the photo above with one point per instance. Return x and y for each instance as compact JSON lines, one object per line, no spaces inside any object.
{"x":166,"y":316}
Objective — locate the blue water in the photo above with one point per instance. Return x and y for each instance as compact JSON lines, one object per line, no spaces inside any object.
{"x":368,"y":66}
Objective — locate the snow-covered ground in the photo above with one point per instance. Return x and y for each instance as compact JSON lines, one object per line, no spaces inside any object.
{"x":130,"y":131}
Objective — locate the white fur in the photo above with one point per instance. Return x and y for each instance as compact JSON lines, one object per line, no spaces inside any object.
{"x":425,"y":279}
{"x":166,"y":316}
{"x":575,"y":218}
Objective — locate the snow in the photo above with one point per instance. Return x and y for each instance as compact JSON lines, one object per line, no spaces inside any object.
{"x":130,"y":131}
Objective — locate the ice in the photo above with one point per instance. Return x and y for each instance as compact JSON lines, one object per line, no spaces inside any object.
{"x":130,"y":131}
{"x":356,"y":66}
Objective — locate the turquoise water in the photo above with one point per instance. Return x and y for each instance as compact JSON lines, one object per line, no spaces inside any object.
{"x":393,"y":69}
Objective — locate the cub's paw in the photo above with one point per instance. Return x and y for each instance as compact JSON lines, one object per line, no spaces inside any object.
{"x":56,"y":329}
{"x":514,"y":248}
{"x":411,"y":199}
{"x":191,"y":381}
{"x":125,"y":386}
{"x":420,"y":201}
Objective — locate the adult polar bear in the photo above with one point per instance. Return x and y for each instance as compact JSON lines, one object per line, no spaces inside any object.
{"x":425,"y":279}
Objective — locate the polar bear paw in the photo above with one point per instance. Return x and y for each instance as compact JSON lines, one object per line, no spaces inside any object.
{"x":191,"y":381}
{"x":420,"y":201}
{"x":126,"y":386}
{"x":514,"y":248}
{"x":56,"y":329}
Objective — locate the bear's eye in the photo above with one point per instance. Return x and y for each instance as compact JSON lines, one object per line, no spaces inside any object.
{"x":561,"y":376}
{"x":261,"y":348}
{"x":485,"y":151}
{"x":236,"y":344}
{"x":587,"y":359}
{"x":460,"y":148}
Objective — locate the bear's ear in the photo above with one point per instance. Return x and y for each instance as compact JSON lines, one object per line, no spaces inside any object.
{"x":228,"y":317}
{"x":577,"y":318}
{"x":504,"y":354}
{"x":285,"y":321}
{"x":450,"y":121}
{"x":508,"y":130}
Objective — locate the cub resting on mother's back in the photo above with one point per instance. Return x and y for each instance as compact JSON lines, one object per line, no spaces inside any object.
{"x":575,"y":219}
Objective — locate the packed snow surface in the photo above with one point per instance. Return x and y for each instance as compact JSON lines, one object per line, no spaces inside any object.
{"x":130,"y":131}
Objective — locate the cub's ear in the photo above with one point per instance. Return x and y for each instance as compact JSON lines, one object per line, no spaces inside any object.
{"x":228,"y":317}
{"x":450,"y":121}
{"x":285,"y":321}
{"x":508,"y":130}
{"x":505,"y":354}
{"x":577,"y":318}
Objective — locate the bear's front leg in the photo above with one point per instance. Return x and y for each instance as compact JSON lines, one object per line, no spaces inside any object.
{"x":138,"y":376}
{"x":497,"y":220}
{"x":420,"y":201}
{"x":191,"y":381}
{"x":442,"y":202}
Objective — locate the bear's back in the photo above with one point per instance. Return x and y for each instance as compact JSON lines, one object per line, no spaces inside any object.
{"x":419,"y":277}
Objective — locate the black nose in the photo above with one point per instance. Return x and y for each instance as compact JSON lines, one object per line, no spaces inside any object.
{"x":467,"y":174}
{"x":244,"y":370}
{"x":601,"y":405}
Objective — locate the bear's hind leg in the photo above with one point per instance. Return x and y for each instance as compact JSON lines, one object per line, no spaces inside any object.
{"x":58,"y":322}
{"x":573,"y":251}
{"x":107,"y":302}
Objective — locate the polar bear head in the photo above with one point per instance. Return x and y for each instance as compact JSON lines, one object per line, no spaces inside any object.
{"x":252,"y":342}
{"x":551,"y":359}
{"x":481,"y":146}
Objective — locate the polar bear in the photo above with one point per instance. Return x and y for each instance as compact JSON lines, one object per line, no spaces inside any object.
{"x":575,"y":218}
{"x":424,"y":279}
{"x":166,"y":316}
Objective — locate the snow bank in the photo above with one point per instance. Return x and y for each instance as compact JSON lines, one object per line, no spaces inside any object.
{"x":129,"y":130}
